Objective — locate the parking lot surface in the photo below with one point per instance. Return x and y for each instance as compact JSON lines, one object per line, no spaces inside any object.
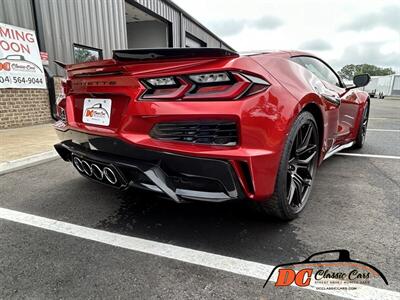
{"x":354,"y":205}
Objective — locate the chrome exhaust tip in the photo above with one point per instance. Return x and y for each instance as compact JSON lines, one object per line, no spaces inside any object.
{"x":97,"y":172}
{"x":87,"y":168}
{"x":78,"y":164}
{"x":110,"y":175}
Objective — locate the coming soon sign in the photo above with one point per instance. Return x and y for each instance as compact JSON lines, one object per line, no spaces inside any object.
{"x":20,"y":62}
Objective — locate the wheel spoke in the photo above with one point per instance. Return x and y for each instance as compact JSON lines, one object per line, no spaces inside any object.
{"x":291,"y":192}
{"x":308,"y":149}
{"x":298,"y":180}
{"x":306,"y":161}
{"x":298,"y":140}
{"x":305,"y":140}
{"x":298,"y":187}
{"x":308,"y":135}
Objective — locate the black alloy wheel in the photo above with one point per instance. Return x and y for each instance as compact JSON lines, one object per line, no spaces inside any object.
{"x":362,"y":130}
{"x":301,"y":166}
{"x":296,"y":172}
{"x":364,"y":124}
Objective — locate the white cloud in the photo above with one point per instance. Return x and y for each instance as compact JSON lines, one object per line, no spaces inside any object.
{"x":228,"y":27}
{"x":315,"y":45}
{"x":370,"y":53}
{"x":387,"y":16}
{"x":345,"y":25}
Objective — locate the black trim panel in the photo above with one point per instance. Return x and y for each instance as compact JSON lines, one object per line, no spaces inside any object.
{"x":180,"y":177}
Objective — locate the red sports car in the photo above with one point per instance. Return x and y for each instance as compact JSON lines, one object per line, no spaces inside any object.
{"x":209,"y":124}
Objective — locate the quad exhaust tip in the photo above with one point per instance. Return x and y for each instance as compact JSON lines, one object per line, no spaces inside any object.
{"x":93,"y":170}
{"x":78,"y":164}
{"x":97,"y":172}
{"x":87,"y":168}
{"x":110,"y":175}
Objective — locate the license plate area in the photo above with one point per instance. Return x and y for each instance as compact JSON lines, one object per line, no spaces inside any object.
{"x":97,"y":111}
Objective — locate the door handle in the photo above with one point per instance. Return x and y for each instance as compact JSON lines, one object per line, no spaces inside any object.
{"x":332,"y":99}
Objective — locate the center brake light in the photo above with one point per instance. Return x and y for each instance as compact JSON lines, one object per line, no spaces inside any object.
{"x":204,"y":86}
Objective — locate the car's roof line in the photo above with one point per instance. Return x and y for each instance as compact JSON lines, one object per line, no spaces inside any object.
{"x":274,"y":52}
{"x":258,"y":52}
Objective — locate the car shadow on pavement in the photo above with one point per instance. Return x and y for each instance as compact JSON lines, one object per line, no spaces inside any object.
{"x":231,"y":228}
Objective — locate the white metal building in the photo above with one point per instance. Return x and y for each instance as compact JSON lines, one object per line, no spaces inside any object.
{"x":384,"y":85}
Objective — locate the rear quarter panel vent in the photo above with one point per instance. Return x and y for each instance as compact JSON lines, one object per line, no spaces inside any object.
{"x":221,"y":133}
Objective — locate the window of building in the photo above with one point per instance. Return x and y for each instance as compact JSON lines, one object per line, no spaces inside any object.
{"x":85,"y":53}
{"x":146,"y":29}
{"x":193,"y":42}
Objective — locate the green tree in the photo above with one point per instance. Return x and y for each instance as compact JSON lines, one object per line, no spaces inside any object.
{"x":349,"y":71}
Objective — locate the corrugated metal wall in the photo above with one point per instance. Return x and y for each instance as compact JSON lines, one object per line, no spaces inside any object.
{"x":200,"y":33}
{"x":166,"y":10}
{"x":96,"y":23}
{"x":17,"y":12}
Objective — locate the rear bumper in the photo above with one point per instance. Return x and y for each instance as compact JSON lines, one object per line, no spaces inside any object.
{"x":179,"y":177}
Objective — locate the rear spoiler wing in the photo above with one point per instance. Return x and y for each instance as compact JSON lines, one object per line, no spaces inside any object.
{"x":60,"y":64}
{"x":151,"y":54}
{"x":171,"y":53}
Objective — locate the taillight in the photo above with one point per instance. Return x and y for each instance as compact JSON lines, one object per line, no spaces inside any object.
{"x":61,"y":102}
{"x":211,"y":78}
{"x":165,"y":88}
{"x":60,"y":109}
{"x":204,"y":86}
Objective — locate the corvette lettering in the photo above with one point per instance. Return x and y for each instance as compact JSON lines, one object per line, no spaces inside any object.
{"x":93,"y":83}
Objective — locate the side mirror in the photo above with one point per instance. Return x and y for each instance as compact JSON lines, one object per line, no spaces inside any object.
{"x":361,"y":80}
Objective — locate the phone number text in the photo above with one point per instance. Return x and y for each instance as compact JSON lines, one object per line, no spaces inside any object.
{"x":8,"y":79}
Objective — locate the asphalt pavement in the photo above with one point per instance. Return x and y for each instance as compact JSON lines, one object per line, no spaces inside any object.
{"x":354,"y":205}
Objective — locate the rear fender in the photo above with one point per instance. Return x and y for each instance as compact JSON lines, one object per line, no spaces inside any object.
{"x":327,"y":114}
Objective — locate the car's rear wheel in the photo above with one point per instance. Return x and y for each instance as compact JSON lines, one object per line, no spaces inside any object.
{"x":296,"y":171}
{"x":362,"y":129}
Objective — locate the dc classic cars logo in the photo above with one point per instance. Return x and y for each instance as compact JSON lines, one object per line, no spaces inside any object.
{"x":341,"y":273}
{"x":18,"y":63}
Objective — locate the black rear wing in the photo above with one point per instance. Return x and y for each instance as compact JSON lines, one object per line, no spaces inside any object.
{"x":171,"y":53}
{"x":132,"y":55}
